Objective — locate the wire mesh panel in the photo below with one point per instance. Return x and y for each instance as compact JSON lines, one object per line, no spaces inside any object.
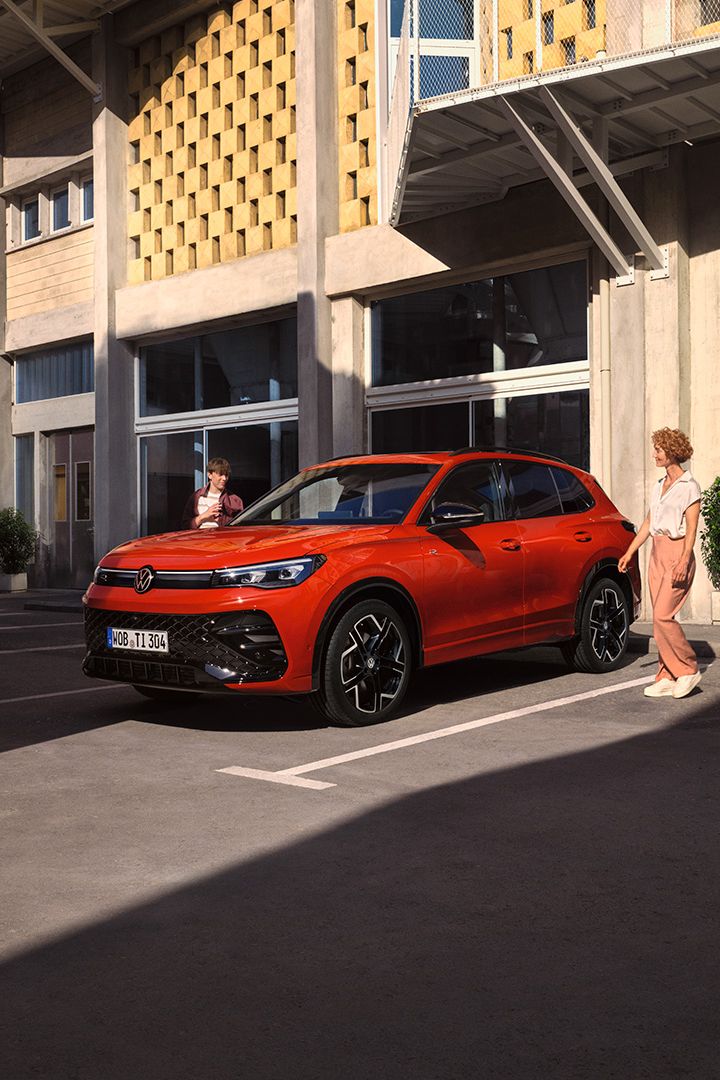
{"x":464,"y":44}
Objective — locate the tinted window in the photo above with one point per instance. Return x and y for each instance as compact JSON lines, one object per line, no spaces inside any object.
{"x":471,"y":489}
{"x":534,"y":489}
{"x":573,"y":495}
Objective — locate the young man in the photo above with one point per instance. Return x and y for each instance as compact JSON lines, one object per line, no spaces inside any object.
{"x":212,"y":505}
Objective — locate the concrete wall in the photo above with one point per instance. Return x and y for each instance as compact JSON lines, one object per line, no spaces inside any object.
{"x":50,"y":274}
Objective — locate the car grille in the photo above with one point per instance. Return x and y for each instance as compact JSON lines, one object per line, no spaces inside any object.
{"x":219,"y":647}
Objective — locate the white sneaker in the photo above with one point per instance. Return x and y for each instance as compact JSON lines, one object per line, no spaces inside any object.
{"x":661,"y":688}
{"x":685,"y":684}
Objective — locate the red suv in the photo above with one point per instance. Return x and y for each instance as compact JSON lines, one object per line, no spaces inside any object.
{"x":345,"y":578}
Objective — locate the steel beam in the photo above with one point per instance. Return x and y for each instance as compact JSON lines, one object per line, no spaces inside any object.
{"x":564,"y":184}
{"x":603,"y":178}
{"x":49,"y":45}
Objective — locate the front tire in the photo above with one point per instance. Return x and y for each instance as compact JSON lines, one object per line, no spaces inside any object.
{"x":604,"y":629}
{"x":366,"y":666}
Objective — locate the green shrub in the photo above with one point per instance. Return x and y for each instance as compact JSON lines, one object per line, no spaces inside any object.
{"x":710,"y":535}
{"x":17,"y":542}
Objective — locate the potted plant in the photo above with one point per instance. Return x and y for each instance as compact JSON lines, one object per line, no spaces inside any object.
{"x":710,"y":543}
{"x":17,"y":547}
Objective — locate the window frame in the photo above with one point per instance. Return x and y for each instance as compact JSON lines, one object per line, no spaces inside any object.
{"x":28,"y":201}
{"x":75,"y":491}
{"x":521,"y":382}
{"x":54,"y":230}
{"x":82,"y":184}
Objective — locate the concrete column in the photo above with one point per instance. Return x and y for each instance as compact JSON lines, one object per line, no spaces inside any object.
{"x":6,"y":445}
{"x":317,"y":173}
{"x":348,"y":376}
{"x":704,"y":160}
{"x":115,"y":457}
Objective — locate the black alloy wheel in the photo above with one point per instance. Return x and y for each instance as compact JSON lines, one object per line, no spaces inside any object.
{"x":366,"y":666}
{"x":604,"y":629}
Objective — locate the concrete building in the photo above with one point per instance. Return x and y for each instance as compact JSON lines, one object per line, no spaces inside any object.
{"x":279,"y":230}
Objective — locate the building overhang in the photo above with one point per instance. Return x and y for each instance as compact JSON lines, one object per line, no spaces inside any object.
{"x":587,"y":124}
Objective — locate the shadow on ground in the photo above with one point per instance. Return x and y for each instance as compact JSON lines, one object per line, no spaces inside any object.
{"x":24,"y":725}
{"x":558,"y":920}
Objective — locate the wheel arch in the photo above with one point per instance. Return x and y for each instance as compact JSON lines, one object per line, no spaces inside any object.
{"x":370,"y":589}
{"x":604,"y":568}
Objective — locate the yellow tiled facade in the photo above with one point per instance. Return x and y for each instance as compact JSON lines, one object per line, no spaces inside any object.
{"x":570,"y":32}
{"x":212,"y":173}
{"x":357,"y":155}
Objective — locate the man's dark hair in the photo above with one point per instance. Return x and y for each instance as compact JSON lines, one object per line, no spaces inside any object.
{"x":219,"y":464}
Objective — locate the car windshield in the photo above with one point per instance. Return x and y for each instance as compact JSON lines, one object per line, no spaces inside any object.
{"x":369,"y":493}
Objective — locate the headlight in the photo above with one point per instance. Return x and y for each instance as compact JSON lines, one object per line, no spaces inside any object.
{"x":272,"y":575}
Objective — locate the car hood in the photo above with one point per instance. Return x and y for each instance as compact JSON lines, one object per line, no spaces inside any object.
{"x":239,"y":545}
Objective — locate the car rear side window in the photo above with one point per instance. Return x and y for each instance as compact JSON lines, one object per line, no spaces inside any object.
{"x":574,"y":496}
{"x":533,"y":489}
{"x":472,"y":489}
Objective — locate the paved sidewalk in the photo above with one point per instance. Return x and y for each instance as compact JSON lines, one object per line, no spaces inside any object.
{"x":704,"y":639}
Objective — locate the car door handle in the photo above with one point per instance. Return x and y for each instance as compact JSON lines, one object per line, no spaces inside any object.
{"x":510,"y":545}
{"x":583,"y":537}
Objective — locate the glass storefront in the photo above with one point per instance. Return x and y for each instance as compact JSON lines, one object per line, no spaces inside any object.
{"x":508,"y":355}
{"x":240,"y":389}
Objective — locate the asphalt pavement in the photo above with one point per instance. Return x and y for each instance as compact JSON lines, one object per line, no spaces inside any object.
{"x":516,"y":878}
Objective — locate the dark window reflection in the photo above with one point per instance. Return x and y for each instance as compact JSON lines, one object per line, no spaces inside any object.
{"x":172,"y":470}
{"x":557,"y":424}
{"x":425,"y":427}
{"x":235,"y":367}
{"x":523,"y":320}
{"x":261,"y":456}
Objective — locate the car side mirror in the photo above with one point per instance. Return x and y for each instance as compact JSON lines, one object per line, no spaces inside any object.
{"x":454,"y":515}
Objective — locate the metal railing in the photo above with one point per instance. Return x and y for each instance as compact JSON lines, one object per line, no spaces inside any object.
{"x":447,"y":46}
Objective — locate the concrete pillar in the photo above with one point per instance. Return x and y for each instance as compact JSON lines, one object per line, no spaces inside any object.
{"x":348,"y":376}
{"x":6,"y":444}
{"x":115,"y":456}
{"x":317,"y":173}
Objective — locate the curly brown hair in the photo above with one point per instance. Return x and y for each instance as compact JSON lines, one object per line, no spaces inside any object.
{"x":674,"y":442}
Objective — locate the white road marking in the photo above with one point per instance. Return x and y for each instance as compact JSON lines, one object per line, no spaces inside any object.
{"x":42,"y":648}
{"x":275,"y":778}
{"x":291,"y":775}
{"x":41,"y":626}
{"x":64,"y":693}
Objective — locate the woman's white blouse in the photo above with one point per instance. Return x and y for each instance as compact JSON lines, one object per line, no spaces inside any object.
{"x":667,"y":512}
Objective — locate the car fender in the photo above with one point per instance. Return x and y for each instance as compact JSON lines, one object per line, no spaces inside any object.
{"x":593,"y":572}
{"x":354,"y":591}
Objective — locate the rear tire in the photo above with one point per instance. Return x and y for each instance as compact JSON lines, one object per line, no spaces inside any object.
{"x":604,"y":629}
{"x":366,"y":666}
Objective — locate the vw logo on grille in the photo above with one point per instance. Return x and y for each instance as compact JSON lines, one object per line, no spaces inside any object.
{"x":144,"y":579}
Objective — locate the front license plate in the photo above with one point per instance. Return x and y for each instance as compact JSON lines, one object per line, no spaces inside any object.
{"x":138,"y":640}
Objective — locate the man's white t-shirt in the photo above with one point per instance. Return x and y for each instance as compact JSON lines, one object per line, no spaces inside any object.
{"x":204,"y":503}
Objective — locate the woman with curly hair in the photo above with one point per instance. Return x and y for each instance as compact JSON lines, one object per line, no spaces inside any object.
{"x":672,"y":522}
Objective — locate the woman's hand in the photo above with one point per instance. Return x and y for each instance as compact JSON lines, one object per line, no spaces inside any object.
{"x":624,"y":561}
{"x":681,"y":569}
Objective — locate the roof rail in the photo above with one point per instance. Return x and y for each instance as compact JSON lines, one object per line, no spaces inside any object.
{"x":508,"y":450}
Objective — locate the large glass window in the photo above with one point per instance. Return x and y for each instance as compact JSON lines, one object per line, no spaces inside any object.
{"x":233,"y":367}
{"x":557,"y":424}
{"x":172,"y":468}
{"x":422,"y":427}
{"x":174,"y":465}
{"x":531,"y":319}
{"x":25,"y":476}
{"x":66,"y":369}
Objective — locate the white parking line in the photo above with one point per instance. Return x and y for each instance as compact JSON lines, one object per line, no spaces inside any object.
{"x":293,"y":775}
{"x":42,"y":648}
{"x":41,"y":626}
{"x":64,"y":693}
